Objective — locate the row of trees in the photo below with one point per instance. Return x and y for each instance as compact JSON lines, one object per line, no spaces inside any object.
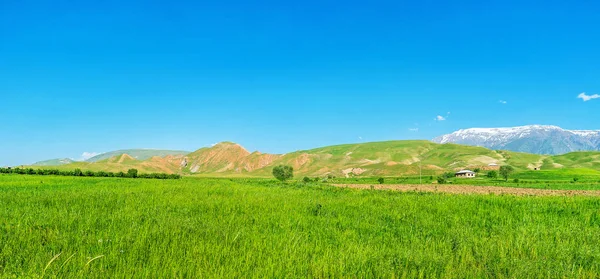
{"x":131,"y":173}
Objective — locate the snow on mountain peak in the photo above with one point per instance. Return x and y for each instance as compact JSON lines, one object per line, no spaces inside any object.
{"x":531,"y":138}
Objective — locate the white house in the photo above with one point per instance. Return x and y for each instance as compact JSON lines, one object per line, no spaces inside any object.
{"x":465,"y":174}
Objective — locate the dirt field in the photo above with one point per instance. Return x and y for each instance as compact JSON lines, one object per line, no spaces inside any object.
{"x":469,"y":189}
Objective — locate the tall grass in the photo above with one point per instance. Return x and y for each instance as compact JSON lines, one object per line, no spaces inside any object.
{"x":70,"y":227}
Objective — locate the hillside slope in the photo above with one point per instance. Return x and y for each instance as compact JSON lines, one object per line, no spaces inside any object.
{"x":138,"y":154}
{"x":55,"y":162}
{"x":390,"y":158}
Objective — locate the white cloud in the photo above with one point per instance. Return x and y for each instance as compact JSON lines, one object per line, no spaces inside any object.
{"x":586,"y":98}
{"x":440,"y":118}
{"x":503,"y":102}
{"x":360,"y":138}
{"x":88,"y":155}
{"x":414,"y":129}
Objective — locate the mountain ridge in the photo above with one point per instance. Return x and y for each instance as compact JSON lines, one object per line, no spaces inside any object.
{"x":138,"y":154}
{"x":55,"y":162}
{"x":536,"y":139}
{"x":388,"y":158}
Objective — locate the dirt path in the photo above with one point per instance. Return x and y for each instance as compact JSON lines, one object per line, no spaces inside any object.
{"x":470,"y":189}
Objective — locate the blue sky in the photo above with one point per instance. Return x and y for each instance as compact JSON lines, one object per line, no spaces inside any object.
{"x":277,"y":76}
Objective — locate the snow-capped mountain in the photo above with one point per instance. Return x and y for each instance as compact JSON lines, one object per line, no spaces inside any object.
{"x":539,"y":139}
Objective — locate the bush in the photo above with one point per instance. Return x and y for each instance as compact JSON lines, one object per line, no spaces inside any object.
{"x":477,"y":170}
{"x":448,"y":175}
{"x":441,"y":180}
{"x":283,"y":172}
{"x":575,"y":179}
{"x":516,"y":180}
{"x":307,"y":179}
{"x":381,"y":180}
{"x":492,"y":174}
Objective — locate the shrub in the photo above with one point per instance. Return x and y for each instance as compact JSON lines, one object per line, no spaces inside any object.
{"x":307,"y":179}
{"x":381,"y":180}
{"x":448,"y":175}
{"x":516,"y":180}
{"x":441,"y":180}
{"x":492,"y":174}
{"x":283,"y":172}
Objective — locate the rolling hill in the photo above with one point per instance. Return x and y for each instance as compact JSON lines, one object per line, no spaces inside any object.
{"x":138,"y":154}
{"x":390,"y":158}
{"x":55,"y":162}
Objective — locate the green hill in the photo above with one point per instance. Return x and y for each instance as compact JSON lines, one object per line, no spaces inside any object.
{"x":55,"y":162}
{"x":138,"y":154}
{"x":389,"y":158}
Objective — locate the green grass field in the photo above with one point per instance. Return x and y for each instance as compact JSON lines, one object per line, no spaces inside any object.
{"x":72,"y":227}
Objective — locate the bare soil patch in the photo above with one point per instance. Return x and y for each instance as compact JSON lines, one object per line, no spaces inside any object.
{"x":470,"y":189}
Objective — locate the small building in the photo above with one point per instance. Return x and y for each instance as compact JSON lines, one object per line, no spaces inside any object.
{"x":465,"y":174}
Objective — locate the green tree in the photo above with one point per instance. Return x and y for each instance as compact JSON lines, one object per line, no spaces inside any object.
{"x":77,"y":172}
{"x":307,"y":179}
{"x":492,"y":174}
{"x":381,"y":180}
{"x":477,"y":170}
{"x":506,"y":171}
{"x":283,"y":172}
{"x":133,"y":173}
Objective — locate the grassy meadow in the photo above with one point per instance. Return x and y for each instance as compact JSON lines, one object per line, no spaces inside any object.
{"x":79,"y":227}
{"x":73,"y":227}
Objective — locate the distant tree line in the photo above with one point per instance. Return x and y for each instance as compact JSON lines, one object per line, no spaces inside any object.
{"x":131,"y":173}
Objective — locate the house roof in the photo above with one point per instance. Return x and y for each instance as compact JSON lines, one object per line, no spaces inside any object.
{"x":464,"y":171}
